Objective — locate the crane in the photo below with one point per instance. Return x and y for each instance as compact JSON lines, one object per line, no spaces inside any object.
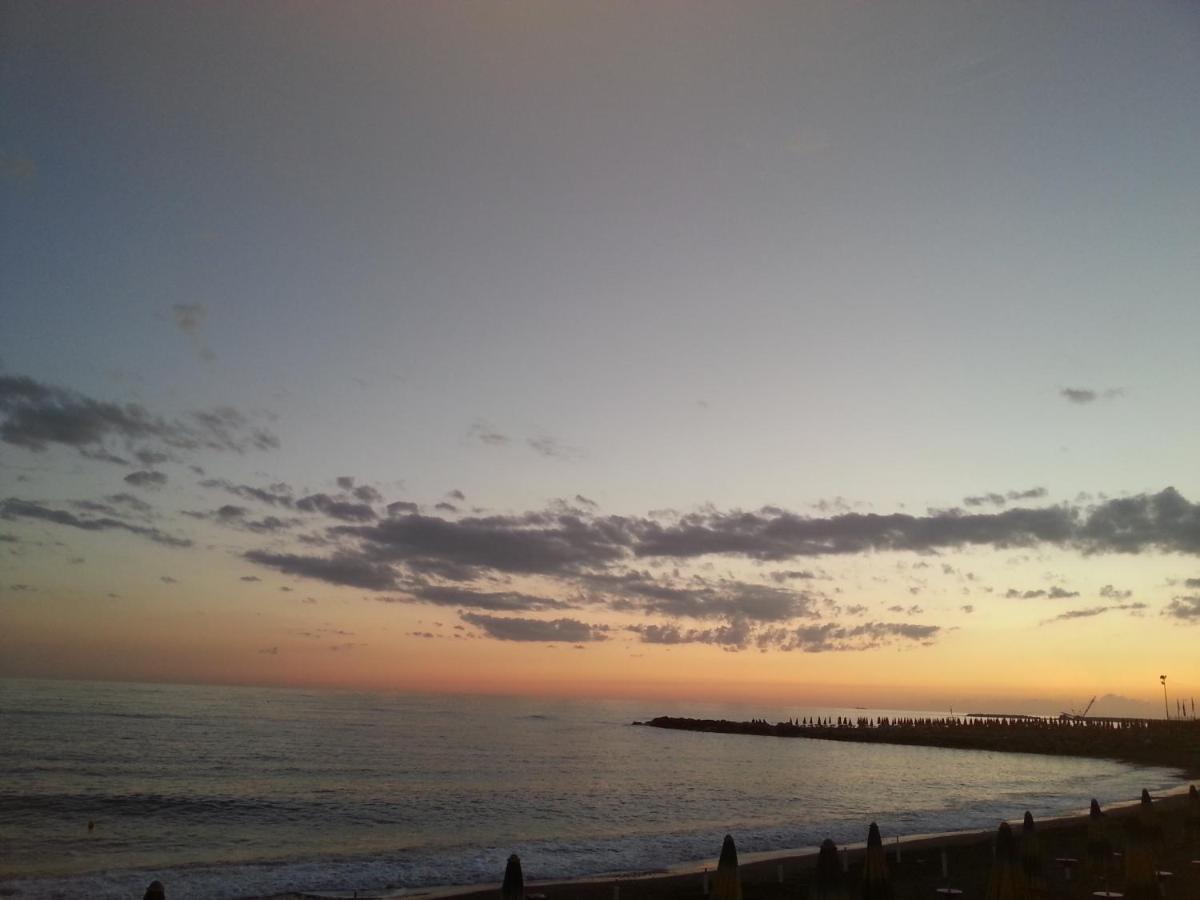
{"x":1078,"y":716}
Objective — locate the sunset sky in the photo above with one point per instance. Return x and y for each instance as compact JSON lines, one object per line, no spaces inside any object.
{"x":827,"y":352}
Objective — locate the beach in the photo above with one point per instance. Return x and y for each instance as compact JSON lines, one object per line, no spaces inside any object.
{"x":915,"y":864}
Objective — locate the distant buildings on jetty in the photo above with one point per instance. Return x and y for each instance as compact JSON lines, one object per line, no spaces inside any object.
{"x":1160,"y":742}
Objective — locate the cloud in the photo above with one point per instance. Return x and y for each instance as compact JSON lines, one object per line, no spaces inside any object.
{"x":571,"y":631}
{"x":342,"y":570}
{"x":345,"y":482}
{"x":1093,"y":611}
{"x":496,"y":601}
{"x":1055,"y":593}
{"x":239,"y":517}
{"x":335,"y":508}
{"x":278,"y":494}
{"x":484,"y":433}
{"x":250,"y":578}
{"x":1164,"y":522}
{"x":826,"y":637}
{"x":146,"y":479}
{"x":980,"y":500}
{"x":167,"y":579}
{"x":14,"y":508}
{"x":1035,"y":493}
{"x":35,"y":415}
{"x":189,"y":318}
{"x":1111,"y":593}
{"x":793,"y":574}
{"x":1191,"y":582}
{"x":968,"y":608}
{"x":533,"y":543}
{"x":1186,"y":609}
{"x":456,"y":494}
{"x":700,"y":599}
{"x":552,"y":448}
{"x":367,"y":494}
{"x":1088,"y":395}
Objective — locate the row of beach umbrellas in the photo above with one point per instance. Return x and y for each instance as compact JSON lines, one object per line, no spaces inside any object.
{"x":1017,"y":871}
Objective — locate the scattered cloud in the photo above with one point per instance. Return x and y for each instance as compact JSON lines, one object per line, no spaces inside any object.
{"x":826,"y":637}
{"x":483,"y":433}
{"x":1055,"y":593}
{"x":1111,"y":593}
{"x":345,"y":570}
{"x":189,"y":319}
{"x":495,"y":601}
{"x":336,"y":508}
{"x":35,"y":416}
{"x":146,"y":479}
{"x":554,"y":449}
{"x":1186,"y":609}
{"x":278,"y":494}
{"x":995,"y":499}
{"x":571,"y":631}
{"x":1093,"y":611}
{"x":1088,"y":395}
{"x":14,"y":508}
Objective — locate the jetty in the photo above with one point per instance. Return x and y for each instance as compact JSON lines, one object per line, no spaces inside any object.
{"x":1174,"y":743}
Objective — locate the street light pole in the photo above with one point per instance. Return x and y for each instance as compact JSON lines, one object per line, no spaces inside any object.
{"x":1166,"y":709}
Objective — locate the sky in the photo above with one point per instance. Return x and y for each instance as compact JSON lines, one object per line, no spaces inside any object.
{"x":822,"y":353}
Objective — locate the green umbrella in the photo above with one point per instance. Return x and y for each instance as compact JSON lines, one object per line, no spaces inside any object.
{"x":514,"y":882}
{"x":876,"y":882}
{"x":1007,"y":881}
{"x":727,"y":885}
{"x":828,"y":883}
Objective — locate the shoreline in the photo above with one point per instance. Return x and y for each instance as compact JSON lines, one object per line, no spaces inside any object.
{"x":763,"y":868}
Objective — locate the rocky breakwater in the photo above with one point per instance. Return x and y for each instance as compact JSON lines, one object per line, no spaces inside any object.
{"x":1157,"y":742}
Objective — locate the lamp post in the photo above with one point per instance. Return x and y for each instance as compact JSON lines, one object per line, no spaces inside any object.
{"x":1166,"y":710}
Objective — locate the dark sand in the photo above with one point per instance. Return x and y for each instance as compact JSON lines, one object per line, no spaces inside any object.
{"x":918,"y":874}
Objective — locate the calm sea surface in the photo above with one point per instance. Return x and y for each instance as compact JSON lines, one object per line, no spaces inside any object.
{"x":234,"y":792}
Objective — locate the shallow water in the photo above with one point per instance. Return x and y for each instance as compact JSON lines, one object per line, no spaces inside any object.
{"x":230,"y":792}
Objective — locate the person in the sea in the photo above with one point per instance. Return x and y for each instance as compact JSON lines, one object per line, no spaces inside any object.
{"x":155,"y":891}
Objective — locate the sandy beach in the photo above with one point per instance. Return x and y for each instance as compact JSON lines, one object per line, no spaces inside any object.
{"x":916,"y":864}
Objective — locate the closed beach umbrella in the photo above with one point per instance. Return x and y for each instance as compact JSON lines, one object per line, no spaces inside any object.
{"x":514,"y":881}
{"x":1031,"y":851}
{"x":1007,"y":881}
{"x":1099,"y":848}
{"x":828,"y":884}
{"x":1151,"y":827}
{"x":876,"y":884}
{"x":727,"y":885}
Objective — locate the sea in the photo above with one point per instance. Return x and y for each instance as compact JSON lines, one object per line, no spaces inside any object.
{"x":228,"y":792}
